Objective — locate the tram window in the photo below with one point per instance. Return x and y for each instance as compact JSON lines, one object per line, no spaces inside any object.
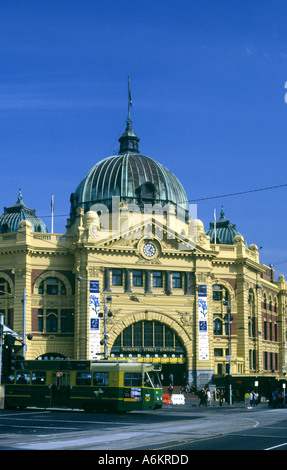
{"x":101,"y":378}
{"x":83,"y":378}
{"x":152,"y":380}
{"x":22,"y":377}
{"x":132,"y":379}
{"x":38,"y":378}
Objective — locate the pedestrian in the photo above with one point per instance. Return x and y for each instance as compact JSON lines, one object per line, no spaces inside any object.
{"x":256,"y":398}
{"x":171,"y":378}
{"x":187,"y":388}
{"x":221,"y":397}
{"x":202,"y":396}
{"x":247,"y":399}
{"x":170,"y":389}
{"x":208,"y":395}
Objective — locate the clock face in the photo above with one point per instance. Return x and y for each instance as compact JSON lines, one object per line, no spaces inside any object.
{"x":149,"y":250}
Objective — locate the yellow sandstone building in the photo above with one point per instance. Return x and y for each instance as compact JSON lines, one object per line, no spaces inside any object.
{"x":137,"y":276}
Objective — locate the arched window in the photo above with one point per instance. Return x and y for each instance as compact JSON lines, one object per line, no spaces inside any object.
{"x":4,"y":287}
{"x":7,"y":306}
{"x":150,"y":337}
{"x":220,"y":297}
{"x":270,"y":303}
{"x":219,"y":293}
{"x":265,"y":301}
{"x":52,"y":286}
{"x":53,"y":291}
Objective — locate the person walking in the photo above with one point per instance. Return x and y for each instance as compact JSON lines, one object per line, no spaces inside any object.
{"x":208,"y":396}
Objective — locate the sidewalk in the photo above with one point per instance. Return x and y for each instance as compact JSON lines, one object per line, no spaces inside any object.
{"x":193,"y":400}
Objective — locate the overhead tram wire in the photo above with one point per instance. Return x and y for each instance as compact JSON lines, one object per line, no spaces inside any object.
{"x":194,"y":200}
{"x":239,"y":193}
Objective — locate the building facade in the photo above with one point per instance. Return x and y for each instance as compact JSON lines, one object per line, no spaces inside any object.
{"x":136,"y":276}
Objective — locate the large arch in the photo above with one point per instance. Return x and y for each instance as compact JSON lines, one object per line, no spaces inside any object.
{"x":173,"y":358}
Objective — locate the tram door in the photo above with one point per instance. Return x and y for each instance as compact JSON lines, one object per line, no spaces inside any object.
{"x":60,"y":391}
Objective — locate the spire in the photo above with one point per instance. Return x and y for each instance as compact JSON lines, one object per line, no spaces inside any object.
{"x":130,"y":103}
{"x":129,"y":140}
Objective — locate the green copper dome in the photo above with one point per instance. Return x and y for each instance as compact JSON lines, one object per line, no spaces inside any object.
{"x":224,"y":231}
{"x":134,"y":178}
{"x":10,"y":220}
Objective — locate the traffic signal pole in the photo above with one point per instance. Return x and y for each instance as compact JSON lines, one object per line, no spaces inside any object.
{"x":2,"y":387}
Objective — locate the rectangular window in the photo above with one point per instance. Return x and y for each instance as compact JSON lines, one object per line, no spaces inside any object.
{"x":138,"y":334}
{"x":157,"y":279}
{"x":38,"y":378}
{"x":101,"y":378}
{"x":168,"y":339}
{"x":176,"y":280}
{"x":137,"y":278}
{"x":117,"y":277}
{"x":265,"y":330}
{"x":40,"y":320}
{"x":51,"y":321}
{"x":127,"y":336}
{"x":52,"y":289}
{"x":22,"y":377}
{"x":219,"y":369}
{"x":158,"y":335}
{"x":148,"y":334}
{"x":132,"y":379}
{"x":218,"y":352}
{"x":265,"y":360}
{"x":67,"y":321}
{"x":83,"y":378}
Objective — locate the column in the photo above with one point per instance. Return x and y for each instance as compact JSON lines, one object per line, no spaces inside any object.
{"x":108,"y":279}
{"x":187,"y":283}
{"x":168,"y":282}
{"x":128,"y":280}
{"x":148,"y":282}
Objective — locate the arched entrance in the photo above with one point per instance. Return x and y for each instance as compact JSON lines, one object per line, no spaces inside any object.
{"x":153,"y":341}
{"x":51,"y":356}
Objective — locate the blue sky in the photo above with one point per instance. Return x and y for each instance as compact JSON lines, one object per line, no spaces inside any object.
{"x":208,"y":88}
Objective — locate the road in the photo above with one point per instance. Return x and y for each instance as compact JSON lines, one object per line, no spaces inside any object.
{"x":173,"y":429}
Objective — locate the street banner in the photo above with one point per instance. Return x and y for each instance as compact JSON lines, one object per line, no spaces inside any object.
{"x":94,"y":299}
{"x":203,"y":345}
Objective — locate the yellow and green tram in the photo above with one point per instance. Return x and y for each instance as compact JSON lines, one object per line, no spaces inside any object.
{"x":89,"y":385}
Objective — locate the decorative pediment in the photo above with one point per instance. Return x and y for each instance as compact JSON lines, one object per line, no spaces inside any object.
{"x":166,"y":242}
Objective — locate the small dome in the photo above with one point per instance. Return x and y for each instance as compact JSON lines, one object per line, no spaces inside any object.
{"x":134,"y":178}
{"x":225,"y":231}
{"x":10,"y":220}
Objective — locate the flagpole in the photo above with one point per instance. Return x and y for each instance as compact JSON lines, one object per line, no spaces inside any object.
{"x":52,"y":209}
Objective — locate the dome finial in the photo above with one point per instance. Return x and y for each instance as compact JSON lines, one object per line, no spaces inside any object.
{"x":129,"y":140}
{"x":20,"y":199}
